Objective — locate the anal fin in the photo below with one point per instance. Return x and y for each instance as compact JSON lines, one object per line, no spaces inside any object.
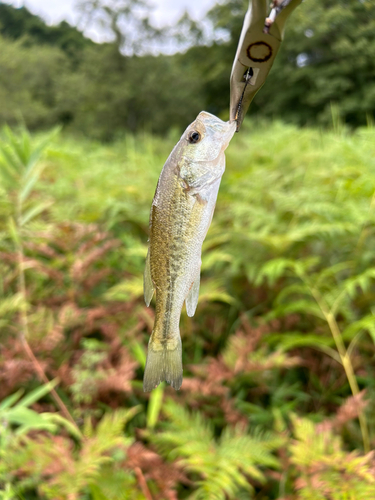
{"x":191,"y":300}
{"x":148,"y":286}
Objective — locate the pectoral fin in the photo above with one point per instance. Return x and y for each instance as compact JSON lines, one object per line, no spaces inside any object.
{"x":148,"y":286}
{"x":191,"y":300}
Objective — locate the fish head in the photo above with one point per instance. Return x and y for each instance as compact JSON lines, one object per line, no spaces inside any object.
{"x":206,"y":138}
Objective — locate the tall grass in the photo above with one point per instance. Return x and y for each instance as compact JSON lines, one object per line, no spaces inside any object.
{"x":278,"y":391}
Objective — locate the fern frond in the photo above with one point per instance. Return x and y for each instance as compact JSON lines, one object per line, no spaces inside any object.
{"x":225,"y":464}
{"x":320,"y":458}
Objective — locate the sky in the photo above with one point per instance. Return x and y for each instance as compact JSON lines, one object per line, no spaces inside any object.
{"x":165,"y":12}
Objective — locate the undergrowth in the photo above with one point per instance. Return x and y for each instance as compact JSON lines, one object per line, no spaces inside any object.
{"x":277,"y":400}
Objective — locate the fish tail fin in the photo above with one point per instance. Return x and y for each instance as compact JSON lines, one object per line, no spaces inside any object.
{"x":164,"y":362}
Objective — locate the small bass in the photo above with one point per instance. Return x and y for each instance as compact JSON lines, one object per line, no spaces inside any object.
{"x":181,"y":214}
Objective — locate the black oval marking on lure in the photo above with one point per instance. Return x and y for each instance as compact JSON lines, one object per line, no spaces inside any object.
{"x":257,"y":45}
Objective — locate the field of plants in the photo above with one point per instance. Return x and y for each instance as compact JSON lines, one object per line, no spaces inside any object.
{"x":278,"y":396}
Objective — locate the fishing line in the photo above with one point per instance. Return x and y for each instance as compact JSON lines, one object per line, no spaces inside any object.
{"x":247,"y":77}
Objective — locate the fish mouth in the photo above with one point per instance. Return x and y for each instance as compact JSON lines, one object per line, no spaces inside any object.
{"x":221,"y":131}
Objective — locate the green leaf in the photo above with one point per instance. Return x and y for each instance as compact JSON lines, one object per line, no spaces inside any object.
{"x":97,"y":493}
{"x":21,"y":147}
{"x":154,"y":405}
{"x":37,"y":393}
{"x":10,"y":177}
{"x":300,"y":306}
{"x":10,"y":400}
{"x":22,"y":416}
{"x":10,"y":161}
{"x":29,"y":182}
{"x":291,"y":340}
{"x":38,"y":150}
{"x":366,"y":323}
{"x":55,"y":418}
{"x":139,"y":353}
{"x":273,"y":270}
{"x":34,"y":211}
{"x":9,"y":305}
{"x":126,"y":290}
{"x":12,"y":227}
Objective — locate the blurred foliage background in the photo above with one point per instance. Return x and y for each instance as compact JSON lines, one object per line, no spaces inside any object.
{"x":53,"y":74}
{"x":278,"y":394}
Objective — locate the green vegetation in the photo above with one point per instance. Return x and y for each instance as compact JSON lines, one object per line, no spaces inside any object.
{"x":19,"y":23}
{"x":278,"y":394}
{"x":52,"y":74}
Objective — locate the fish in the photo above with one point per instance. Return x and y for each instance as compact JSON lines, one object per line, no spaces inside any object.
{"x":181,"y":213}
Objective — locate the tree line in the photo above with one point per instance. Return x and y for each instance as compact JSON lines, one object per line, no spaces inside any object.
{"x":54,"y":74}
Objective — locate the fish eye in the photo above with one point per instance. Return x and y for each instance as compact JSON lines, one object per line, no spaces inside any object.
{"x":194,"y":137}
